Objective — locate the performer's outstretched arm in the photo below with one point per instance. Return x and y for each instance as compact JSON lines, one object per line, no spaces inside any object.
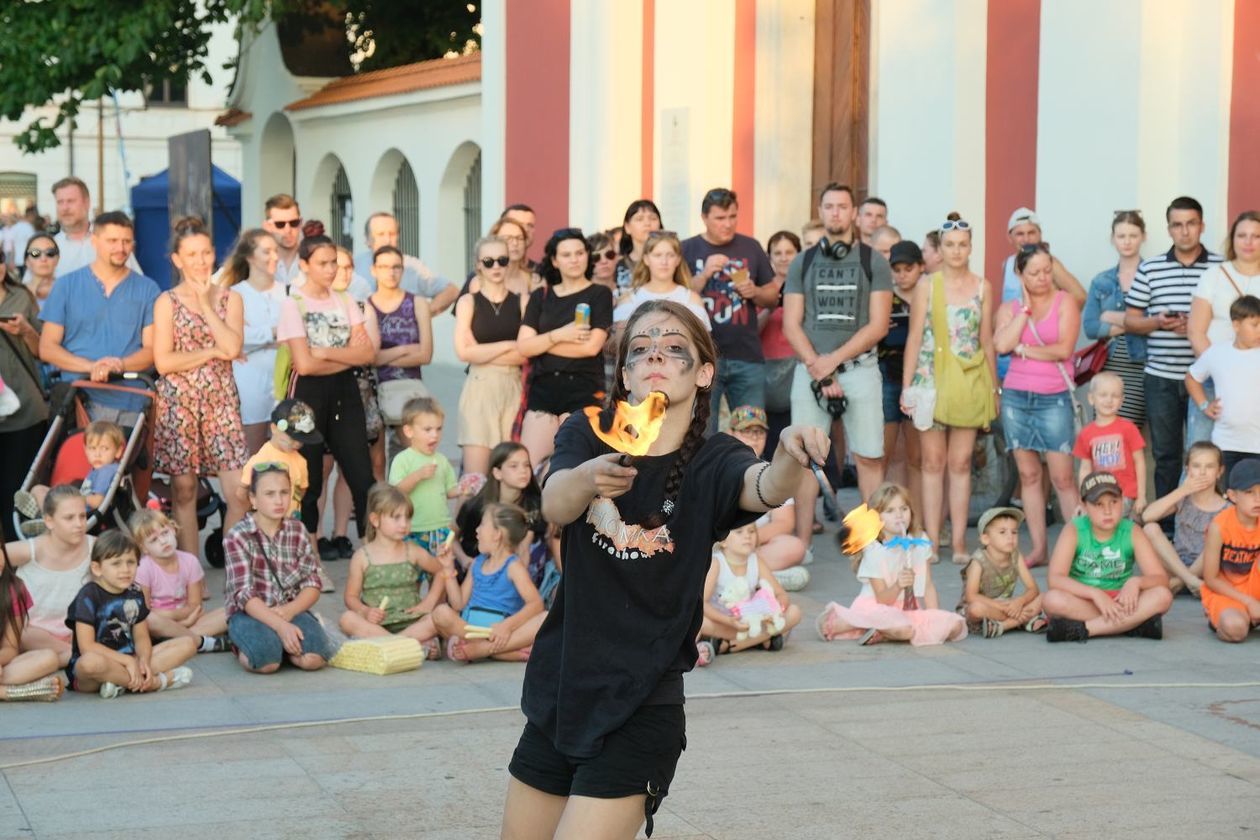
{"x":779,"y":480}
{"x":568,"y":493}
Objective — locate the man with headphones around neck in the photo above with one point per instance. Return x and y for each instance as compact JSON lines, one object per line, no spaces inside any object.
{"x":837,"y":305}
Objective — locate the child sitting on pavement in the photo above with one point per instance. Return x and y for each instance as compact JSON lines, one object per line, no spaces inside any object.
{"x":1196,"y":503}
{"x":383,"y":589}
{"x":898,"y":601}
{"x":735,"y":559}
{"x":1231,"y":575}
{"x":988,"y":599}
{"x":24,"y":674}
{"x":496,"y":594}
{"x":1093,"y":588}
{"x":111,"y":649}
{"x":778,"y":547}
{"x":174,"y":585}
{"x":273,"y":581}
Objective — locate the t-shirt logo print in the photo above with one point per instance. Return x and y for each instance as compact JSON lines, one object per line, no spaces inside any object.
{"x":836,"y":295}
{"x":625,"y":542}
{"x":725,"y":305}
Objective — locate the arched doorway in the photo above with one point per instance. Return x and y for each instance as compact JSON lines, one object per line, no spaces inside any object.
{"x":459,"y":198}
{"x":394,"y":187}
{"x":332,"y":201}
{"x":278,"y":161}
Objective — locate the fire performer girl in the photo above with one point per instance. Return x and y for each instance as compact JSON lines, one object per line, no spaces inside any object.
{"x":603,"y":691}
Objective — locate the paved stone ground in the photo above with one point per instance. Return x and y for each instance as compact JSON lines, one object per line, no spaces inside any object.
{"x":842,"y":752}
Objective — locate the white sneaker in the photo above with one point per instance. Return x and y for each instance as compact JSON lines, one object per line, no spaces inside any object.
{"x":111,"y":690}
{"x":793,"y":579}
{"x":809,"y":557}
{"x":326,"y":584}
{"x":179,"y":678}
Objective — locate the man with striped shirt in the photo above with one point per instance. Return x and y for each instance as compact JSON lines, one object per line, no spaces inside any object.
{"x":1158,"y":306}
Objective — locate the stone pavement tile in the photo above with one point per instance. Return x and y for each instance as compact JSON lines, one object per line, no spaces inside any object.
{"x":100,"y":774}
{"x":890,"y":815}
{"x":1193,"y":825}
{"x":68,"y":810}
{"x":13,"y":822}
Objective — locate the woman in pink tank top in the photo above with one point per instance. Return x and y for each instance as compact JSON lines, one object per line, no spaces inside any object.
{"x":1040,"y":333}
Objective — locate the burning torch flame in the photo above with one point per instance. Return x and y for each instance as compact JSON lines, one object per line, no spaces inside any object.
{"x":864,"y":526}
{"x":634,"y":427}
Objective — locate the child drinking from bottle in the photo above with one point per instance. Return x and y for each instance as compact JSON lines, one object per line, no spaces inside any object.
{"x":898,"y":601}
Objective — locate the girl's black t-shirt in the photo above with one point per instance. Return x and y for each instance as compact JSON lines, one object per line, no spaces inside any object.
{"x":622,"y":630}
{"x":547,"y":311}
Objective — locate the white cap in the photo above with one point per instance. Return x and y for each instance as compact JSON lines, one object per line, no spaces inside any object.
{"x":1022,"y":215}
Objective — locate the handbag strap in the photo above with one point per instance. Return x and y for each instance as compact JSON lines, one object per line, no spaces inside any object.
{"x":1228,"y":277}
{"x":1067,"y":379}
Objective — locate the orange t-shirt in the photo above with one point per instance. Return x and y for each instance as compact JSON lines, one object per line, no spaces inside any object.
{"x":1240,"y":548}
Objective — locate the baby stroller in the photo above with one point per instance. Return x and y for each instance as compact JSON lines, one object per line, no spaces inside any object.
{"x":62,"y":459}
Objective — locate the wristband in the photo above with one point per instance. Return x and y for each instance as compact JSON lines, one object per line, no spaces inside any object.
{"x":1203,"y":406}
{"x":757,"y":487}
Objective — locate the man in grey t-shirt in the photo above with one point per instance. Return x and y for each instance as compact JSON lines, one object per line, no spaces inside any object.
{"x":837,"y":303}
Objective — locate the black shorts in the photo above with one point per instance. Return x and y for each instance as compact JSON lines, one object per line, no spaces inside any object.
{"x":563,"y":393}
{"x":640,"y":757}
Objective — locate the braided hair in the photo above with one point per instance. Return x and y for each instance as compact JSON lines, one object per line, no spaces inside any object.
{"x":694,"y":438}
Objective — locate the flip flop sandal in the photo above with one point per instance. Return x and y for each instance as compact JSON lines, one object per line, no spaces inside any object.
{"x":992,"y":629}
{"x":704,"y":654}
{"x":821,"y":624}
{"x":1037,"y":624}
{"x":871,"y":637}
{"x":776,"y":642}
{"x":455,"y":649}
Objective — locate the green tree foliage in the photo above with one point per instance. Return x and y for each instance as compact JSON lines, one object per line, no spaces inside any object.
{"x":65,"y":52}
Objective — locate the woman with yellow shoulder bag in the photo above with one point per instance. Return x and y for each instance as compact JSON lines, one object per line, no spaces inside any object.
{"x":950,"y":392}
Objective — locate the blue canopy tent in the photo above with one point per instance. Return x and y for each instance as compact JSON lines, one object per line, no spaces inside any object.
{"x":153,"y":223}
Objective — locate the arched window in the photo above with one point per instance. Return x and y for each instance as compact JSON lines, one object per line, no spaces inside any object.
{"x":407,"y":209}
{"x":341,"y":212}
{"x":472,"y":211}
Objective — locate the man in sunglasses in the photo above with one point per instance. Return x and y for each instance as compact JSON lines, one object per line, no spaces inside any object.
{"x":282,"y":218}
{"x":74,"y":238}
{"x":733,"y":275}
{"x":381,"y":229}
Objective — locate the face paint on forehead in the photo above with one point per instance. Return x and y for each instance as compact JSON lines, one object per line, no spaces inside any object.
{"x":668,"y":343}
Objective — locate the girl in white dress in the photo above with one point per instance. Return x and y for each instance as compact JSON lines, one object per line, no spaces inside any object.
{"x":251,"y":272}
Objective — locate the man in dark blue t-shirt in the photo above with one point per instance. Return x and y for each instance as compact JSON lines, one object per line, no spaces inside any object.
{"x":732,"y":273}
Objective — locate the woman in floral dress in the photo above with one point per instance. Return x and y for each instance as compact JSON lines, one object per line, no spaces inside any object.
{"x":198,"y":331}
{"x":969,"y":316}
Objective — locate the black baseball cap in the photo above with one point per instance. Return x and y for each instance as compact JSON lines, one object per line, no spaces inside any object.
{"x":1245,"y":474}
{"x":1099,"y":484}
{"x":904,"y":251}
{"x":296,"y":419}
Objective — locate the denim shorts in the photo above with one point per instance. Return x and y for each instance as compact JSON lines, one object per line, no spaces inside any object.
{"x":261,"y":645}
{"x":1038,"y":422}
{"x":892,"y":396}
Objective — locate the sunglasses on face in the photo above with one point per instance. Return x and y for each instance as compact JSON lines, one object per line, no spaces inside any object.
{"x":600,"y":256}
{"x":293,"y":223}
{"x":36,"y":253}
{"x":490,"y":262}
{"x":954,"y":225}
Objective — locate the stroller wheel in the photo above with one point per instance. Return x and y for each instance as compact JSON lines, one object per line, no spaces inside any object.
{"x":214,"y":548}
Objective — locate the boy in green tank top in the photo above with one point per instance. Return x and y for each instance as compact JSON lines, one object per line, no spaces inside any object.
{"x":1094,"y":590}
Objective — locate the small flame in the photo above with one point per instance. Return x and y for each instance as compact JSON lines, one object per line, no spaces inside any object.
{"x":634,"y":427}
{"x":864,"y":527}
